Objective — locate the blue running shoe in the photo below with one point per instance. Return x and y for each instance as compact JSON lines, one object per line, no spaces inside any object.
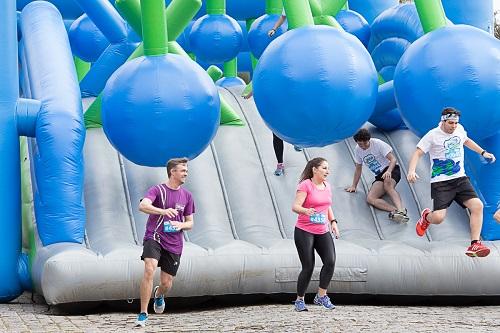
{"x":297,"y":148}
{"x":159,"y":302}
{"x":300,"y":305}
{"x":324,"y":301}
{"x":141,"y":319}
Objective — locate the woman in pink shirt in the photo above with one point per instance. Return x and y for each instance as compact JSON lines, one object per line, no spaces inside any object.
{"x":313,"y":204}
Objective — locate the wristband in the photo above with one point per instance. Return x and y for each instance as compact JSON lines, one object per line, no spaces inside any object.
{"x":334,"y":220}
{"x":482,"y":153}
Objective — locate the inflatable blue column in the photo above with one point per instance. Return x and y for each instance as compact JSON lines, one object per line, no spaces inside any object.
{"x":10,"y":178}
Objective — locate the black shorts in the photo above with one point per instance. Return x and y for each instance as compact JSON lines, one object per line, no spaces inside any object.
{"x":395,"y":174}
{"x":167,"y":261}
{"x":458,"y":189}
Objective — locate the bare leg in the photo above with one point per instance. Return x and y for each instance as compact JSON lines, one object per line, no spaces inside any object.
{"x":390,"y":189}
{"x":476,"y":217}
{"x":166,"y":281}
{"x":437,"y":216}
{"x":150,"y":265}
{"x":374,"y":197}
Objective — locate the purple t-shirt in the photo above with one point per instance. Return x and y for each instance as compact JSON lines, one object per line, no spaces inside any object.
{"x":164,"y":197}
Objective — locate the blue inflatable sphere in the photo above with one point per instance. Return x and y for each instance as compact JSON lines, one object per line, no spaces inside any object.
{"x":158,"y":108}
{"x":258,"y":39}
{"x":87,"y":41}
{"x":315,"y":86}
{"x":183,"y":38}
{"x":69,"y":9}
{"x":454,"y":66}
{"x":388,"y":120}
{"x":216,"y":38}
{"x":354,"y":24}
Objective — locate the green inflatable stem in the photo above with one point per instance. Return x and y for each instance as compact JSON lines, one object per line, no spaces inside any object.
{"x":332,"y":7}
{"x":214,"y":72}
{"x":231,"y":68}
{"x":216,"y":7}
{"x":431,"y":14}
{"x":154,"y":27}
{"x":274,"y":7}
{"x":298,"y":13}
{"x":27,"y":203}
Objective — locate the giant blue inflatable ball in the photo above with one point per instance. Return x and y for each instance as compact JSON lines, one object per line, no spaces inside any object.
{"x":183,"y":38}
{"x":315,"y":86}
{"x":215,"y":39}
{"x":86,"y":40}
{"x":456,"y":66}
{"x":354,"y":24}
{"x":258,"y":39}
{"x":158,"y":108}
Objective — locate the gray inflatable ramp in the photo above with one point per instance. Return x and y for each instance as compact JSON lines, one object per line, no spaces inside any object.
{"x":242,"y":240}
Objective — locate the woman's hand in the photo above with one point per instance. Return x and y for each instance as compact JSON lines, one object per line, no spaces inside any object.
{"x":335,"y":229}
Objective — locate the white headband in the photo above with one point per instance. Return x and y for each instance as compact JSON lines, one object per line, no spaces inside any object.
{"x":450,"y":116}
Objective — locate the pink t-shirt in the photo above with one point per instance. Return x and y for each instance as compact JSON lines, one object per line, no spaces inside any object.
{"x":318,"y":199}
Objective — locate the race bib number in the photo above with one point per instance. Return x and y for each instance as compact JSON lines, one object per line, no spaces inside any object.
{"x":317,"y":218}
{"x":168,"y":227}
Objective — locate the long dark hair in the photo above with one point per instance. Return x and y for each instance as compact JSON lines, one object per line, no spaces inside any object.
{"x":308,"y":170}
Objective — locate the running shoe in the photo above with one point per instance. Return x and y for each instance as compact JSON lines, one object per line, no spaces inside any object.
{"x":142,"y":318}
{"x":477,"y":250}
{"x":280,"y":169}
{"x":324,"y":301}
{"x":300,"y":305}
{"x":400,"y":216}
{"x":159,"y":302}
{"x":422,"y":223}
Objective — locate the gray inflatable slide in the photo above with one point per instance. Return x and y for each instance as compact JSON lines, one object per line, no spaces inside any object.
{"x":242,"y":241}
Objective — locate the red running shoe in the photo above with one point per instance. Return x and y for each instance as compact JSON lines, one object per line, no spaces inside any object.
{"x":422,"y":223}
{"x":477,"y":250}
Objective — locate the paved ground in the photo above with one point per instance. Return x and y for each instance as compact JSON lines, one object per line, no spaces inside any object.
{"x":22,"y":315}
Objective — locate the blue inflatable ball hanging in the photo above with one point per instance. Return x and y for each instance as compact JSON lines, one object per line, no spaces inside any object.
{"x":315,"y":86}
{"x":258,"y":39}
{"x":354,"y":24}
{"x":457,"y":66}
{"x":86,"y":40}
{"x":215,"y":39}
{"x":160,"y":107}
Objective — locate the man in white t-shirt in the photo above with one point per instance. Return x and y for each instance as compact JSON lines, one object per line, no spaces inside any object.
{"x":378,"y":157}
{"x":445,"y":145}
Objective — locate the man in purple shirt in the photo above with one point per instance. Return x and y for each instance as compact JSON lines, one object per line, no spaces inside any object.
{"x":170,"y":208}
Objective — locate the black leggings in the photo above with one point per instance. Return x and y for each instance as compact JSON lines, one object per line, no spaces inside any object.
{"x":278,"y":148}
{"x":306,"y":243}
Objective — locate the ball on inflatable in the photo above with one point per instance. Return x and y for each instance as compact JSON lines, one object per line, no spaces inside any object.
{"x":161,"y":107}
{"x":355,"y":24}
{"x":389,"y":120}
{"x":452,"y":66}
{"x":215,"y":39}
{"x":86,"y":40}
{"x":258,"y":39}
{"x":315,"y":86}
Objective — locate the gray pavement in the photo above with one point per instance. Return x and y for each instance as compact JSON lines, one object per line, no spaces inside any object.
{"x":22,"y":315}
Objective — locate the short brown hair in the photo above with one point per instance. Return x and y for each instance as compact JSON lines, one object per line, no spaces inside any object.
{"x":172,"y":163}
{"x":450,"y":110}
{"x":362,"y":135}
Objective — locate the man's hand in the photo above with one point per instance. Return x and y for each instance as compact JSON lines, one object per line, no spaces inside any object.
{"x":271,"y":32}
{"x":412,"y":177}
{"x":177,"y":225}
{"x":170,"y":212}
{"x":350,"y":189}
{"x":490,"y":157}
{"x":387,"y":175}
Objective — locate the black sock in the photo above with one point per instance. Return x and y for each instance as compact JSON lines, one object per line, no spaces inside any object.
{"x":474,"y":241}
